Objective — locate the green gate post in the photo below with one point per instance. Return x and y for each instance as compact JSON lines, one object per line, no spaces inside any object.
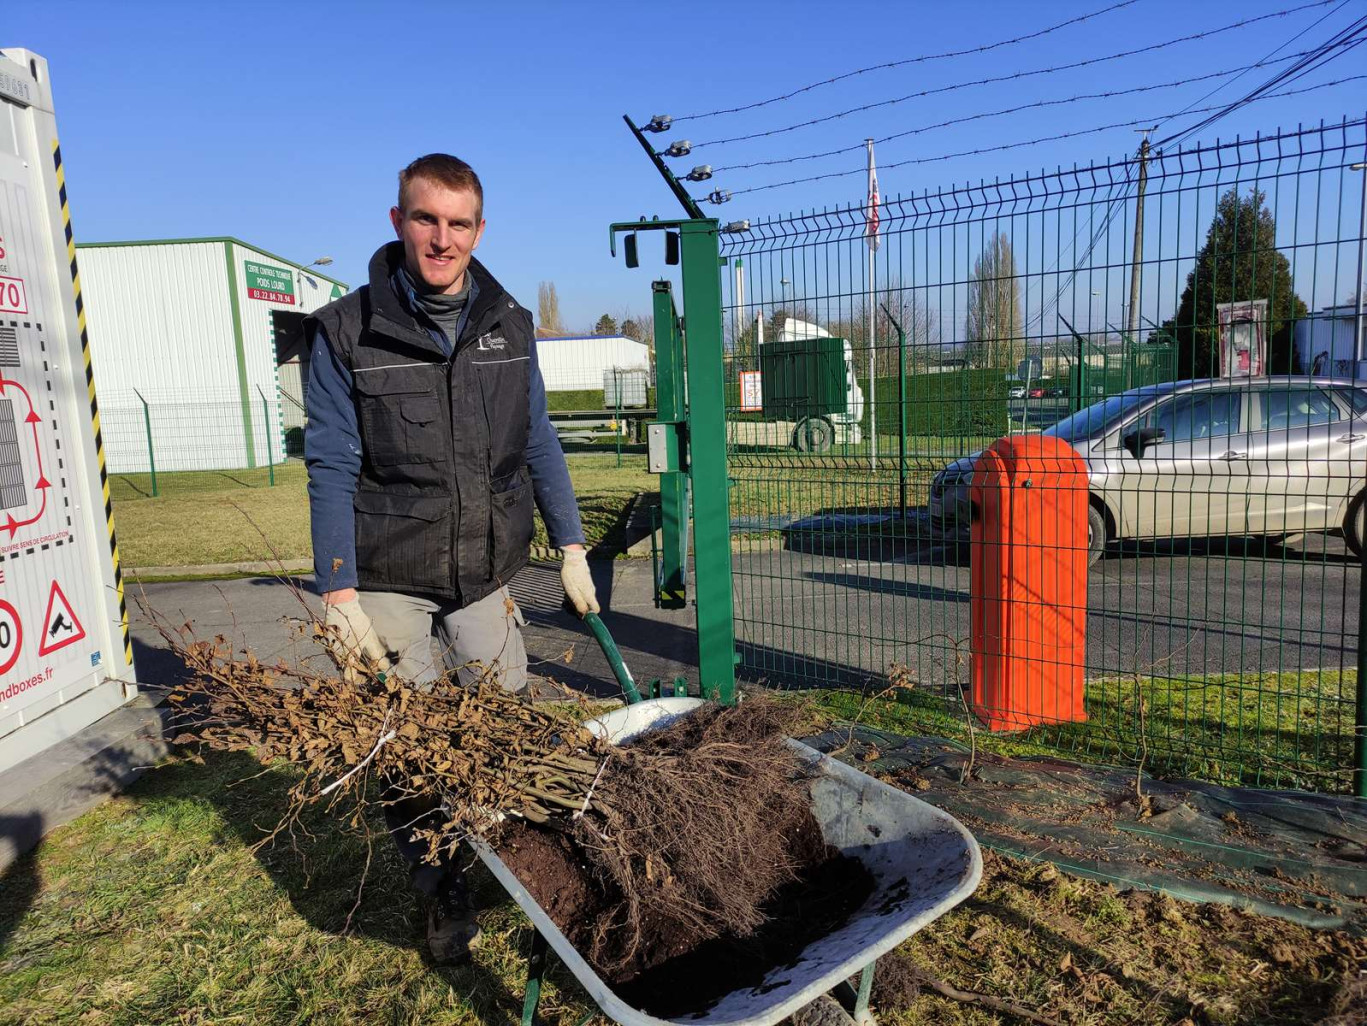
{"x":266,"y":424}
{"x":669,"y":403}
{"x":151,"y":456}
{"x":705,"y":373}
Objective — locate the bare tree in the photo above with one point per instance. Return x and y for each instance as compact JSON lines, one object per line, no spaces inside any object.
{"x":548,"y":306}
{"x":910,"y":310}
{"x":993,"y":329}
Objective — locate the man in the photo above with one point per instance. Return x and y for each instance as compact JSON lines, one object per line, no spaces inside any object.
{"x":427,"y":441}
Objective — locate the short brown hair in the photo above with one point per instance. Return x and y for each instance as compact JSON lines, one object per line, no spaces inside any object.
{"x":443,"y":169}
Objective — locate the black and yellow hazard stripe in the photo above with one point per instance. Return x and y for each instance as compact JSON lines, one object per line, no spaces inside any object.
{"x":90,"y":390}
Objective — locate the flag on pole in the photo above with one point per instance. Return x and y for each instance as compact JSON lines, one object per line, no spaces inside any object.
{"x":871,"y":226}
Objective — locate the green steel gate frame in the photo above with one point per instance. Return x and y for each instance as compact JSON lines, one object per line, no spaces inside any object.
{"x":699,"y":440}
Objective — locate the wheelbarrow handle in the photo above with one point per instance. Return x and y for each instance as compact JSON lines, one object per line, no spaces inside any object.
{"x":614,"y":657}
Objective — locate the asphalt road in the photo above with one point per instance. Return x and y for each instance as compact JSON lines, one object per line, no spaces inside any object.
{"x":1210,"y":606}
{"x":829,"y":619}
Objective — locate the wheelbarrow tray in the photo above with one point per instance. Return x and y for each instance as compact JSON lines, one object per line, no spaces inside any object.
{"x":923,"y":862}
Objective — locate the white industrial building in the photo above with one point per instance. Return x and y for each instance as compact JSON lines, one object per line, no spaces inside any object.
{"x":576,"y":363}
{"x":1327,"y":342}
{"x":198,"y":343}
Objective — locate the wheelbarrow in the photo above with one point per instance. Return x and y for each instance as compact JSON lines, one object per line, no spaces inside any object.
{"x":922,"y":860}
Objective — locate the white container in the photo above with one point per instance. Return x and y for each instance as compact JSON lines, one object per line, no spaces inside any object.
{"x":66,"y":659}
{"x":923,"y":861}
{"x":625,"y":388}
{"x":576,"y":363}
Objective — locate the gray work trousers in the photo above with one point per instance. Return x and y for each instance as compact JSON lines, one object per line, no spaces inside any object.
{"x":485,"y":635}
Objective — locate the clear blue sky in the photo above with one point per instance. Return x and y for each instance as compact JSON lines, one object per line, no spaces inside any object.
{"x":285,"y":123}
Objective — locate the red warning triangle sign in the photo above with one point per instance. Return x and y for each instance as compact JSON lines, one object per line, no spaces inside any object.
{"x":60,"y":626}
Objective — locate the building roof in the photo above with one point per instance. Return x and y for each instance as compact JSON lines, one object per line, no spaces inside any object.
{"x":304,"y":268}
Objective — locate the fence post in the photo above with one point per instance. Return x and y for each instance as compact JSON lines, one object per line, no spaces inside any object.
{"x":151,"y":457}
{"x":705,"y":375}
{"x":617,"y":401}
{"x":669,"y":409}
{"x":266,"y":424}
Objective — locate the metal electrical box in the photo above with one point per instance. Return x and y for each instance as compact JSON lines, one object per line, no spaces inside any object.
{"x":803,"y":378}
{"x":66,"y":659}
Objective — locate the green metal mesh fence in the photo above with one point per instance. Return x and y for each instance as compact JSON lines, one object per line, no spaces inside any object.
{"x":1223,"y":518}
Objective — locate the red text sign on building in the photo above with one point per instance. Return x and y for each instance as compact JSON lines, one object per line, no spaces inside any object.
{"x":273,"y":284}
{"x":13,"y":297}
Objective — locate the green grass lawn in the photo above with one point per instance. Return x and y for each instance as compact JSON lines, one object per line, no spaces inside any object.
{"x":157,"y":908}
{"x":208,"y":516}
{"x":1273,"y":729}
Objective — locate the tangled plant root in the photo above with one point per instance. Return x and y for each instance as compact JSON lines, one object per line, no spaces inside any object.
{"x":688,"y":826}
{"x":702,"y":812}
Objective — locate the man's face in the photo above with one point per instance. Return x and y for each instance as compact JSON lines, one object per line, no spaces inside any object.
{"x":440,"y":230}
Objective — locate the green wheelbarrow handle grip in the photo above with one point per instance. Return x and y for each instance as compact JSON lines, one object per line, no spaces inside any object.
{"x":614,"y":657}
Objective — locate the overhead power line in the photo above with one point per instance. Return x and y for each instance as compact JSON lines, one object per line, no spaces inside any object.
{"x":909,"y":60}
{"x":982,"y":115}
{"x":1265,"y":59}
{"x":1014,"y":76}
{"x":1330,"y":50}
{"x":1032,"y":142}
{"x":1342,"y":41}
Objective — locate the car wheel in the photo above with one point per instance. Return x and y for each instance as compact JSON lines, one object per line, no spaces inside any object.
{"x":1096,"y":535}
{"x":1353,"y":524}
{"x":814,"y":434}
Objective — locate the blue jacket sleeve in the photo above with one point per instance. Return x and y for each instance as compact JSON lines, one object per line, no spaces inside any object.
{"x":332,"y":453}
{"x":546,"y":460}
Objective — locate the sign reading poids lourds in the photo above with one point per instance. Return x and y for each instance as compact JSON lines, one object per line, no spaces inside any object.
{"x":65,"y":657}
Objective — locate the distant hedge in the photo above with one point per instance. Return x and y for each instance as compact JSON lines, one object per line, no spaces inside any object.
{"x":585,"y":399}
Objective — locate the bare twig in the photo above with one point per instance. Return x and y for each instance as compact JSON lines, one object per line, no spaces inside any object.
{"x":969,"y":997}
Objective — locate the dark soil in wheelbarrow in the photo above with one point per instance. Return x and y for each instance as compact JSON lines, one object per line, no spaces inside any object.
{"x":672,"y":973}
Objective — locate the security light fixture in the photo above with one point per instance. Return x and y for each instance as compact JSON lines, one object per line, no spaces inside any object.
{"x":660,"y":123}
{"x":679,"y":148}
{"x":737,"y":226}
{"x":322,"y":261}
{"x":701,"y":173}
{"x":719,"y":196}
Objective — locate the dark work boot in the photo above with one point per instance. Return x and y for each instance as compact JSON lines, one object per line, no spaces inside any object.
{"x":452,"y":932}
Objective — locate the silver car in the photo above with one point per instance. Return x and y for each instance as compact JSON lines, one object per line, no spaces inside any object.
{"x":1270,"y":456}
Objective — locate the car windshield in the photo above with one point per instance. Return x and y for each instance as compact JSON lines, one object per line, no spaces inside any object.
{"x":1098,"y":417}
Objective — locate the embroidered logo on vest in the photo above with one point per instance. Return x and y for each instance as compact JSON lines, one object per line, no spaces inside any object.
{"x":491,"y":342}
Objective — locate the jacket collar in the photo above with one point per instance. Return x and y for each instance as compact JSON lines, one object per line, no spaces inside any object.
{"x":392,"y":304}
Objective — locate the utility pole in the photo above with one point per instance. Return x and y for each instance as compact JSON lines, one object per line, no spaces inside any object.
{"x":1137,"y":260}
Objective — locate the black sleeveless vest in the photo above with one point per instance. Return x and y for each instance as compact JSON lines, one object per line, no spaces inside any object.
{"x":444,"y":498}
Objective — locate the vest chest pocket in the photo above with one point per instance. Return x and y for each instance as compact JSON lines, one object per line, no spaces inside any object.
{"x":401,"y":416}
{"x":502,"y":379}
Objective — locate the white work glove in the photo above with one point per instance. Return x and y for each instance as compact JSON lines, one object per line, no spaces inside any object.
{"x":350,"y":633}
{"x":574,"y":575}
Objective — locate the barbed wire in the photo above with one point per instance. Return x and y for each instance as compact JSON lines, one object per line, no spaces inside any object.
{"x":1109,"y":94}
{"x":1285,"y":43}
{"x":1015,"y":76}
{"x":910,"y":60}
{"x":1033,"y":142}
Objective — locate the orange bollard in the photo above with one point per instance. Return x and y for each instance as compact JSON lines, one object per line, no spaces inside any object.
{"x":1029,"y":583}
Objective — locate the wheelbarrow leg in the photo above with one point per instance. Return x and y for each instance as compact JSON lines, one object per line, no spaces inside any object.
{"x":861,"y":1014}
{"x":536,"y":972}
{"x":857,"y":1001}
